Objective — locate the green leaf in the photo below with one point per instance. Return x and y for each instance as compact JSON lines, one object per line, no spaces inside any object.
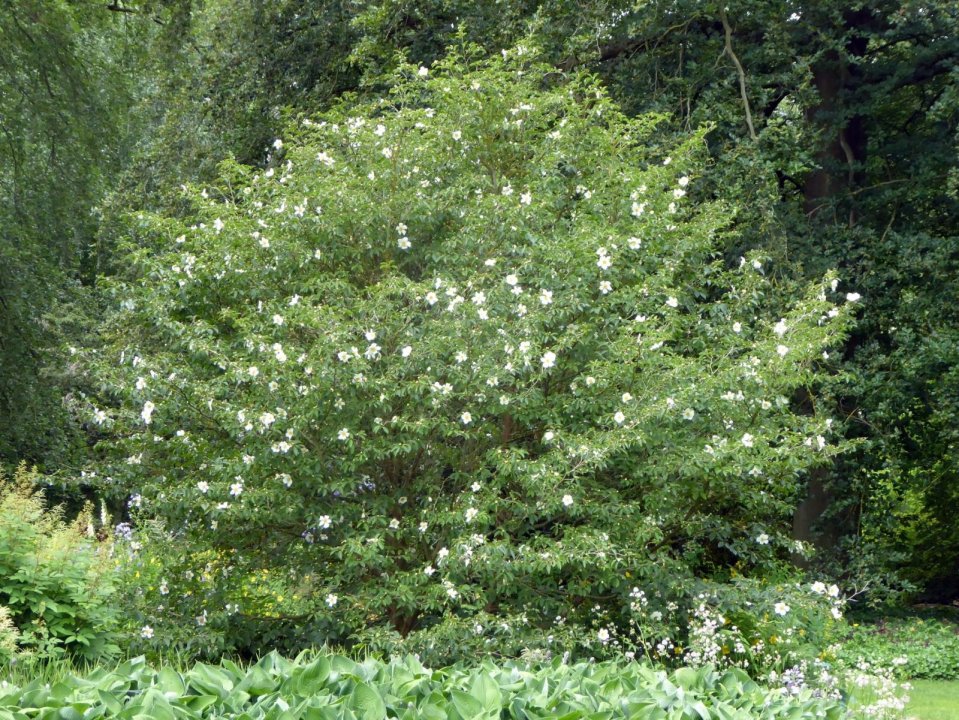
{"x":367,"y":702}
{"x":468,"y":707}
{"x":487,"y":691}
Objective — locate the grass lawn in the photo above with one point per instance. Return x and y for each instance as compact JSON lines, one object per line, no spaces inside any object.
{"x":934,"y":700}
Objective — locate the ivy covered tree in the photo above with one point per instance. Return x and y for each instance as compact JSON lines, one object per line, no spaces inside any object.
{"x":466,"y":356}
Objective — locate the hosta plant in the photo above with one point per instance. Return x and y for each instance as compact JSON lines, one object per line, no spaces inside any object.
{"x":457,"y":372}
{"x":331,"y":687}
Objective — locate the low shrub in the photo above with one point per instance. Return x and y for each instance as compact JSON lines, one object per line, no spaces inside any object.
{"x":56,"y":580}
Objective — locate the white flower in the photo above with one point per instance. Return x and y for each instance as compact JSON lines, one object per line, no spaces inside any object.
{"x":431,"y":298}
{"x":757,"y":265}
{"x":457,"y":135}
{"x":818,"y":587}
{"x":343,"y":434}
{"x":605,"y":262}
{"x":737,"y":327}
{"x":567,"y":500}
{"x":278,"y":352}
{"x":253,"y":371}
{"x":394,"y":524}
{"x":146,"y":632}
{"x":689,"y":414}
{"x":324,"y":522}
{"x":833,"y":591}
{"x":626,"y":397}
{"x":429,"y":570}
{"x":780,"y":328}
{"x":526,"y":198}
{"x":267,"y":419}
{"x":548,"y":360}
{"x":781,"y":608}
{"x":460,"y":357}
{"x":548,"y":436}
{"x":380,"y":130}
{"x":605,"y":287}
{"x":545,"y":297}
{"x":782,"y":350}
{"x":278,"y":144}
{"x":603,"y":635}
{"x":683,"y":181}
{"x":423,"y":71}
{"x":590,"y":381}
{"x":387,"y":152}
{"x":147,"y":412}
{"x":372,"y":351}
{"x":511,"y":280}
{"x":423,"y":526}
{"x":466,"y":418}
{"x":747,"y":440}
{"x":478,"y":298}
{"x":853,"y":297}
{"x":331,"y":600}
{"x":203,"y":486}
{"x":619,"y":417}
{"x":836,"y":613}
{"x":678,"y":193}
{"x":236,"y":489}
{"x":471,"y":514}
{"x":763,"y":539}
{"x":407,"y":349}
{"x":672,"y":302}
{"x":404,"y":243}
{"x":634,"y":243}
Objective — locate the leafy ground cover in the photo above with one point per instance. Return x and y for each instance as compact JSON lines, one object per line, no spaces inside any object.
{"x":331,"y":687}
{"x":921,"y":645}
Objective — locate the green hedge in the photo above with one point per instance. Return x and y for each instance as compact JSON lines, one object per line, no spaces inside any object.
{"x":330,"y":687}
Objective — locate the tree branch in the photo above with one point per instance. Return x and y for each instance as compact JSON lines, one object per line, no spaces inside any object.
{"x":739,"y":70}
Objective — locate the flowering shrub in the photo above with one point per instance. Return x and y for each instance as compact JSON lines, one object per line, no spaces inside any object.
{"x":458,"y":371}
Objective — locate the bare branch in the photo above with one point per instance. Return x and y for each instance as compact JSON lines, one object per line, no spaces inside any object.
{"x":739,"y":70}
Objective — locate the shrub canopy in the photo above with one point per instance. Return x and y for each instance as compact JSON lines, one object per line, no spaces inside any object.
{"x":461,"y":364}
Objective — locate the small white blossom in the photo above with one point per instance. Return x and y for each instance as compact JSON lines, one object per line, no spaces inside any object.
{"x":331,"y":600}
{"x":343,"y":434}
{"x":567,"y":500}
